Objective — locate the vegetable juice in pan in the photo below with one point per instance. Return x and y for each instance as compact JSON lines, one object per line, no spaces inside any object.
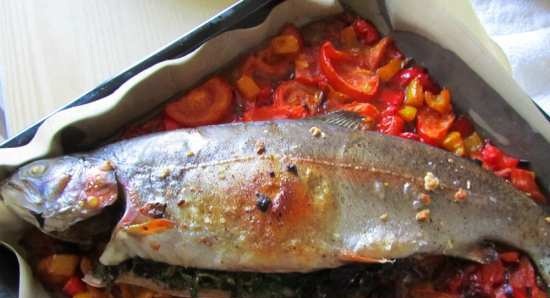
{"x":341,"y":63}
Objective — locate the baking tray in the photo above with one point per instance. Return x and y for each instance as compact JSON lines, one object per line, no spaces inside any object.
{"x":248,"y":13}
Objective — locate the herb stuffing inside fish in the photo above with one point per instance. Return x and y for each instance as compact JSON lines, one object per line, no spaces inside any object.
{"x":280,"y":196}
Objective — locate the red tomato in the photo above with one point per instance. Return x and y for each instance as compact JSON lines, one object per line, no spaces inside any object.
{"x":294,"y":93}
{"x":169,"y":123}
{"x":525,"y":181}
{"x":432,"y":125}
{"x":207,"y":104}
{"x":366,"y":32}
{"x":391,"y":96}
{"x":496,"y":160}
{"x":358,"y":83}
{"x":463,"y":125}
{"x":74,"y":286}
{"x":391,"y":125}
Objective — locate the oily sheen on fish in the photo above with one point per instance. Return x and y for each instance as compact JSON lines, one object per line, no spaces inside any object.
{"x":280,"y":196}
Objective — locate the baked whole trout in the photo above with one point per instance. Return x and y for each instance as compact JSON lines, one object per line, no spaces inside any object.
{"x":282,"y":196}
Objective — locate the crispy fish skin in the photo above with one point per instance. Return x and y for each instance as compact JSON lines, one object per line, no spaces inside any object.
{"x":302,"y":195}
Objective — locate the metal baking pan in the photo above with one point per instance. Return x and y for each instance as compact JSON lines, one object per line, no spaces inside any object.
{"x":496,"y":112}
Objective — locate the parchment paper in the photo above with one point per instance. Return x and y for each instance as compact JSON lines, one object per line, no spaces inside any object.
{"x":433,"y":19}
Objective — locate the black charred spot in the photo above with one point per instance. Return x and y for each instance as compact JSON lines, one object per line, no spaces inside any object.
{"x":39,"y":218}
{"x":272,"y":174}
{"x":291,"y":168}
{"x":262,"y":202}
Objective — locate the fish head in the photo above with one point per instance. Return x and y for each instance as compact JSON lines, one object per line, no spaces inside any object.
{"x":54,"y":194}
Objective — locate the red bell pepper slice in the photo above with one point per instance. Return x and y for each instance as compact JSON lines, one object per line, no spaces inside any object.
{"x":366,"y":31}
{"x":525,"y":181}
{"x":359,"y":84}
{"x":391,"y":125}
{"x":405,"y":76}
{"x":391,"y":96}
{"x":74,"y":286}
{"x":463,"y":125}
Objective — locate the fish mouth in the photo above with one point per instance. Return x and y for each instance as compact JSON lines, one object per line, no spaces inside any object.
{"x":20,"y":199}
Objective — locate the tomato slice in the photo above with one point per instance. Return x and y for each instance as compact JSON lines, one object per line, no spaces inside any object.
{"x":294,"y":93}
{"x":360,"y":84}
{"x":364,"y":109}
{"x":275,"y":112}
{"x":207,"y":104}
{"x":432,"y":125}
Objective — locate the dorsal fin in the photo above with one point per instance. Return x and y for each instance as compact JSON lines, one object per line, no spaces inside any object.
{"x":343,"y":118}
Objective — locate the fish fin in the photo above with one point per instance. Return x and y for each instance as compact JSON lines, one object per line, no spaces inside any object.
{"x":349,"y":256}
{"x":346,"y":119}
{"x":482,"y":254}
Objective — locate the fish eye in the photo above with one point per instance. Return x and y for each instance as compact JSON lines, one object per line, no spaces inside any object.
{"x":37,"y":170}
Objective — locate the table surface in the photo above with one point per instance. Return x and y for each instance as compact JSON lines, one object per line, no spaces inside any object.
{"x":53,"y":51}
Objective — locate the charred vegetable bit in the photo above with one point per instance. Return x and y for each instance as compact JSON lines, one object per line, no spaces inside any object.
{"x":420,"y":277}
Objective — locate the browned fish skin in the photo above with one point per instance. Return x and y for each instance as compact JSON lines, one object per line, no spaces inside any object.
{"x":325,"y":196}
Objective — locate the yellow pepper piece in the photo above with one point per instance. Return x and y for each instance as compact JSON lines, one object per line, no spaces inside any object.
{"x":414,"y":94}
{"x":349,"y":38}
{"x":473,"y":143}
{"x":62,"y":264}
{"x":408,"y":113}
{"x":301,"y":62}
{"x":285,"y":44}
{"x":454,"y":143}
{"x":441,"y":102}
{"x":248,"y":87}
{"x":387,"y":71}
{"x":83,"y":295}
{"x":151,"y":227}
